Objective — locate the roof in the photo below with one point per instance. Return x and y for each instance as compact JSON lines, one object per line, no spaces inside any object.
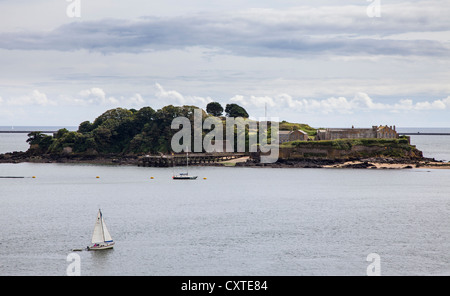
{"x":384,"y":127}
{"x":288,"y":132}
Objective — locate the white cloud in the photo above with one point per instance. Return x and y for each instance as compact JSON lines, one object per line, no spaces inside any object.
{"x":446,"y":101}
{"x":282,"y":102}
{"x":97,"y":95}
{"x":135,"y":100}
{"x":256,"y":101}
{"x":408,"y":105}
{"x":170,"y":95}
{"x":34,"y":98}
{"x":174,"y":97}
{"x":403,"y":105}
{"x":238,"y":99}
{"x":360,"y":102}
{"x":40,"y":98}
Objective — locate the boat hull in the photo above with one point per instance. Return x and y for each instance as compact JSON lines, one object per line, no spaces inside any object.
{"x":101,"y":246}
{"x":184,"y":177}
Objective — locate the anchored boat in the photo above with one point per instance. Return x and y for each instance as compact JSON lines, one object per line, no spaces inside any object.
{"x":185,"y":176}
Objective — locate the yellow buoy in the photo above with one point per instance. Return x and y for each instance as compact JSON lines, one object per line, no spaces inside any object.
{"x":204,"y":178}
{"x":151,"y":178}
{"x":33,"y":177}
{"x":97,"y":177}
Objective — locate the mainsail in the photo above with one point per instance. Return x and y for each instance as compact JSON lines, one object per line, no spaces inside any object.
{"x":101,"y":233}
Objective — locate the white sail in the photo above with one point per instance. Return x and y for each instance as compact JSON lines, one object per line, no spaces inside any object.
{"x":97,"y":236}
{"x":101,"y":233}
{"x":107,"y":237}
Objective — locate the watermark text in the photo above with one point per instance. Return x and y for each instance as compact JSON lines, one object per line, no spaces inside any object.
{"x":374,"y":8}
{"x":241,"y":134}
{"x":74,"y":8}
{"x":374,"y":268}
{"x":74,"y":268}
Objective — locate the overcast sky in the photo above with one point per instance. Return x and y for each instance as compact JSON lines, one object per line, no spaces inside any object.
{"x":325,"y":63}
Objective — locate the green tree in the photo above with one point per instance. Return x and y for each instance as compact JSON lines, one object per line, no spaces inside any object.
{"x":143,"y":116}
{"x":40,"y":142}
{"x":85,"y":127}
{"x":214,"y":108}
{"x":34,"y":138}
{"x":114,"y":116}
{"x":45,"y":143}
{"x":234,"y":110}
{"x":123,"y":131}
{"x":61,"y":132}
{"x":102,"y":136}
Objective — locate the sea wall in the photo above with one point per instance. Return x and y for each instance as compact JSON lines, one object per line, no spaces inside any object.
{"x":349,"y":149}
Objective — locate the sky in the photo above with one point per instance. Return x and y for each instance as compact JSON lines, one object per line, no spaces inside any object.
{"x":325,"y":63}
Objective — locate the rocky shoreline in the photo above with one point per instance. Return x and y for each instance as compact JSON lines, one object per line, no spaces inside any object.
{"x":354,"y":163}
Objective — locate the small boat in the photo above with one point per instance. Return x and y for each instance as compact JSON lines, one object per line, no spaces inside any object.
{"x":185,"y":176}
{"x":101,"y":239}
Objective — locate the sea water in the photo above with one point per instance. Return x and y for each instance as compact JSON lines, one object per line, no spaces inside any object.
{"x":237,"y":221}
{"x":10,"y":141}
{"x":432,"y":146}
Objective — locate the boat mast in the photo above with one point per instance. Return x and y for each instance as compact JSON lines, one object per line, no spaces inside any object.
{"x":101,"y":224}
{"x":173,"y":164}
{"x":187,"y":160}
{"x":265,"y":111}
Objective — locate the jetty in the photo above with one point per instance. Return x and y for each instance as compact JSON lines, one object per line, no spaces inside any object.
{"x":180,"y":159}
{"x":25,"y":132}
{"x":424,"y":134}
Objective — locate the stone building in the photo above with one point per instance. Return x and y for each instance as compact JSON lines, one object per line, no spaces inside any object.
{"x":380,"y":132}
{"x":288,"y":136}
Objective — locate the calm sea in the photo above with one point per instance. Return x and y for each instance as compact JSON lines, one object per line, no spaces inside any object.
{"x":237,"y":221}
{"x":437,"y":147}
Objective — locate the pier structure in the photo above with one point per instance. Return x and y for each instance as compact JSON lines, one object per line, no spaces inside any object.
{"x":25,"y":132}
{"x":424,"y":134}
{"x":180,"y":159}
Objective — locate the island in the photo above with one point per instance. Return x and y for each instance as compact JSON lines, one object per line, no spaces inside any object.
{"x":143,"y":137}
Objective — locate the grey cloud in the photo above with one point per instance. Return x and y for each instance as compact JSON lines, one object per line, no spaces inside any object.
{"x":265,"y":32}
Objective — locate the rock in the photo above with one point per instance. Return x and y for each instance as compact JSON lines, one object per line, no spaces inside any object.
{"x":363,"y":165}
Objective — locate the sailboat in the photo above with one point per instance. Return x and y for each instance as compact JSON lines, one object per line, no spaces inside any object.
{"x":185,"y":176}
{"x":101,"y":239}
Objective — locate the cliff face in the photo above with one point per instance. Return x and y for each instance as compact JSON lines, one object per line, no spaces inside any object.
{"x":350,"y":149}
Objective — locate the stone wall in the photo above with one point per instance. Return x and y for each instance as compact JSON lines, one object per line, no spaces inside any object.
{"x":327,"y":151}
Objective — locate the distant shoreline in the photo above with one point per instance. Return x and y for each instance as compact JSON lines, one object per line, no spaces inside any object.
{"x":24,"y":132}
